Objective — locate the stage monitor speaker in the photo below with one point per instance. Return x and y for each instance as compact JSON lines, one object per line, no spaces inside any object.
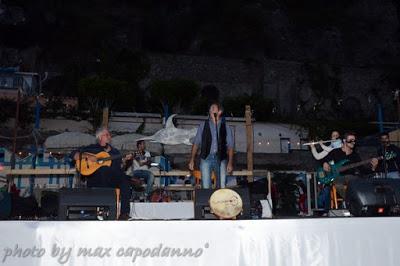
{"x":49,"y":203}
{"x":87,"y":204}
{"x":373,"y":197}
{"x":202,"y":206}
{"x":5,"y":205}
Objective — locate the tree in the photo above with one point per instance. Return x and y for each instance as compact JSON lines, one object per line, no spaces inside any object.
{"x":99,"y":93}
{"x":178,"y":94}
{"x":261,"y":106}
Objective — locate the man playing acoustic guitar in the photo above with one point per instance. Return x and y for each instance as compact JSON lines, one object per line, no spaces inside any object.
{"x":108,"y":175}
{"x":352,"y":166}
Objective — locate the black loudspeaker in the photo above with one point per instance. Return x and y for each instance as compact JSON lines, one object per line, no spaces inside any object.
{"x":49,"y":203}
{"x":24,"y":207}
{"x":87,"y":204}
{"x":373,"y":197}
{"x":5,"y":205}
{"x":202,"y":206}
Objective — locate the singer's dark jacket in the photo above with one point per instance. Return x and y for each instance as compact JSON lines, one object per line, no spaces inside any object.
{"x":211,"y":140}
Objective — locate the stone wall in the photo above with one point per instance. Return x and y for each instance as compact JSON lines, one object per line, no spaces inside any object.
{"x":230,"y":76}
{"x":288,"y":83}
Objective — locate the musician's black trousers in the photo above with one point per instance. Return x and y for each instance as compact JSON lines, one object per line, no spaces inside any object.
{"x":109,"y":177}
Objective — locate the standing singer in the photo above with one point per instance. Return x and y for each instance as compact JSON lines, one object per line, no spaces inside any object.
{"x":215,"y":140}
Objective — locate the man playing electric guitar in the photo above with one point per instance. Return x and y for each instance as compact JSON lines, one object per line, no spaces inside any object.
{"x":347,"y":153}
{"x":107,"y":176}
{"x":390,"y":166}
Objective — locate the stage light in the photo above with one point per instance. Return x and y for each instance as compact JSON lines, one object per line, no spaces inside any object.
{"x":381,"y":210}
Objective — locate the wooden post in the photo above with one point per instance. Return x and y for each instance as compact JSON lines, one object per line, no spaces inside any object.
{"x":250,"y":147}
{"x":397,"y":96}
{"x":105,"y":117}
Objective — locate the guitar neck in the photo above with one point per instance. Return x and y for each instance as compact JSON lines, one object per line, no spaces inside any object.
{"x":354,"y":165}
{"x":113,"y":157}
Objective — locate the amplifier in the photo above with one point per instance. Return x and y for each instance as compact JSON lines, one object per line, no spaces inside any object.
{"x":373,"y":197}
{"x":87,"y":204}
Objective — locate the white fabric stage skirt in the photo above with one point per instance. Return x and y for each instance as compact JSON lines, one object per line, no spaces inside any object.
{"x":291,"y":242}
{"x":162,"y":210}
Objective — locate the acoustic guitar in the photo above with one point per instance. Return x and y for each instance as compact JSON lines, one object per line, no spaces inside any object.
{"x":91,"y":162}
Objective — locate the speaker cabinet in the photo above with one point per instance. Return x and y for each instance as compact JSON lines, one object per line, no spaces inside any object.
{"x":373,"y":197}
{"x":87,"y":204}
{"x":202,"y":206}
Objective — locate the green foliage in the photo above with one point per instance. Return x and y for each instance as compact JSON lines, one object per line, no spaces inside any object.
{"x":8,"y":108}
{"x":200,"y":106}
{"x":130,"y":67}
{"x":99,"y":93}
{"x":123,"y":65}
{"x":178,"y":94}
{"x":56,"y":107}
{"x":105,"y":90}
{"x":235,"y":106}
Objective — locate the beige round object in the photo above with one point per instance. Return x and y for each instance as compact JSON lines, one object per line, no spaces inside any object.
{"x":226,"y":203}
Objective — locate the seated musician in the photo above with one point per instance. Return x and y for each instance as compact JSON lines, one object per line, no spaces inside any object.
{"x":347,"y":152}
{"x":141,"y":162}
{"x":105,"y":176}
{"x":390,"y":165}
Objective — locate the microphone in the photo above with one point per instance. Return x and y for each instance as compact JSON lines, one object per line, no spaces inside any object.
{"x":215,"y":116}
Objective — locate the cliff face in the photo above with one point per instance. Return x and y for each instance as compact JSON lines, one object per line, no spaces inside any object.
{"x":335,"y":57}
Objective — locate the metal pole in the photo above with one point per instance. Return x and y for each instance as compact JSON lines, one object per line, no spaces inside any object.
{"x":14,"y":150}
{"x":397,"y":93}
{"x":315,"y":191}
{"x":380,"y":118}
{"x":308,"y":178}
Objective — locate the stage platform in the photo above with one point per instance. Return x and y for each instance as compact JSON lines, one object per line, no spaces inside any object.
{"x":291,"y":242}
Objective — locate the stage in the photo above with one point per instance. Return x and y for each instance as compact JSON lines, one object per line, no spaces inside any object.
{"x":308,"y":241}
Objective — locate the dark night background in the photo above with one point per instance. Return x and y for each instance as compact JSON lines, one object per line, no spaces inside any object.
{"x":323,"y":64}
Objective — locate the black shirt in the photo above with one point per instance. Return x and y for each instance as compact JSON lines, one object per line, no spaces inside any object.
{"x":338,"y":155}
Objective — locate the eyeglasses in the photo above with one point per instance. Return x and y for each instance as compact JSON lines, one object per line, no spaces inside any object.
{"x":351,"y":141}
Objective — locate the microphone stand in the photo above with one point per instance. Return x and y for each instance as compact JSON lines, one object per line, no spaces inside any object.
{"x":384,"y":161}
{"x":218,"y":181}
{"x":80,"y":168}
